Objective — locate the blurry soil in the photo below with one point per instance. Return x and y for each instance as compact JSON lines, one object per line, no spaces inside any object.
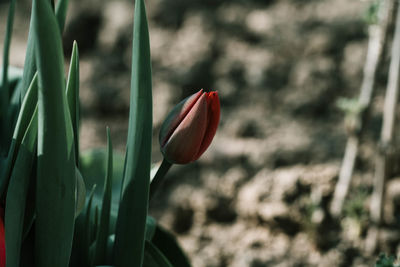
{"x":260,"y":195}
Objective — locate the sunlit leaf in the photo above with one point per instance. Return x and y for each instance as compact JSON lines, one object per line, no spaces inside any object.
{"x":17,"y":194}
{"x":55,"y":197}
{"x":73,"y":97}
{"x":27,"y":109}
{"x":130,"y":229}
{"x":61,"y":13}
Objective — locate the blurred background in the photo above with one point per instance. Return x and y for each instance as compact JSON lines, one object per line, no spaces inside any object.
{"x":260,"y":195}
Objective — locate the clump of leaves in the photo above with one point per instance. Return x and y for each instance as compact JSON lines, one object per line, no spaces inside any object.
{"x":371,"y":14}
{"x":352,"y":109}
{"x":354,"y":206}
{"x":386,"y":261}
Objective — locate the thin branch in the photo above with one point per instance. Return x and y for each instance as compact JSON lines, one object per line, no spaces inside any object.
{"x":386,"y":141}
{"x":376,"y":43}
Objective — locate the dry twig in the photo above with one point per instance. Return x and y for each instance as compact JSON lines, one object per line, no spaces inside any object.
{"x":386,"y":141}
{"x":377,"y":38}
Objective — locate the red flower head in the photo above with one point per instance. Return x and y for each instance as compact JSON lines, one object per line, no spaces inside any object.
{"x":190,"y":127}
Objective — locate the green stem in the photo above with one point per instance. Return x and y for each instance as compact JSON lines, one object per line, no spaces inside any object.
{"x":159,"y":177}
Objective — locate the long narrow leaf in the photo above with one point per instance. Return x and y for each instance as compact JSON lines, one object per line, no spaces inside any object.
{"x":28,"y":106}
{"x":17,"y":194}
{"x":130,"y":231}
{"x":90,"y":160}
{"x":168,"y":245}
{"x":27,"y":109}
{"x":61,"y":13}
{"x":154,"y":257}
{"x":73,"y":96}
{"x":55,"y":197}
{"x":80,"y":193}
{"x":5,"y":90}
{"x":87,"y":239}
{"x":30,"y":63}
{"x":102,"y":237}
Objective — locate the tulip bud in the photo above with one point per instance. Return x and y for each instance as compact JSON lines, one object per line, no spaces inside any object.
{"x":190,"y":127}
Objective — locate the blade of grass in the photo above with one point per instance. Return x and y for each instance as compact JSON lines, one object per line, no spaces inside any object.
{"x":102,"y":237}
{"x":130,"y":228}
{"x":56,"y":182}
{"x":73,"y":97}
{"x":17,"y":194}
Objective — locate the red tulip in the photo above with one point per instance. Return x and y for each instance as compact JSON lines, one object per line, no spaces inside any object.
{"x":190,"y":127}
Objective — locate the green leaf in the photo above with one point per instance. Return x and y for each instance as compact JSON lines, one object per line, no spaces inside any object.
{"x":80,"y":193}
{"x":6,"y":114}
{"x":103,"y":233}
{"x":168,"y":245}
{"x":27,"y":109}
{"x":30,"y":62}
{"x":386,"y":261}
{"x":73,"y":96}
{"x":61,"y":13}
{"x":91,"y":161}
{"x":151,"y":226}
{"x":55,"y":197}
{"x":153,"y":257}
{"x":78,"y":246}
{"x":130,"y":229}
{"x":88,"y":230}
{"x":27,"y":250}
{"x":17,"y":193}
{"x":6,"y":130}
{"x":94,"y":231}
{"x":5,"y":90}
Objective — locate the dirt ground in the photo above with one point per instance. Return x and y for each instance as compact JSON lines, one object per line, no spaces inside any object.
{"x":260,"y":195}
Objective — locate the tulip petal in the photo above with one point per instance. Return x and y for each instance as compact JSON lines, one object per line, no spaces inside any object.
{"x":183,"y":145}
{"x":176,"y":116}
{"x":213,"y":115}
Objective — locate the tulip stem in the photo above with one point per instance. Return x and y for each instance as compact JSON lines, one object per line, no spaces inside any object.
{"x":159,"y":177}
